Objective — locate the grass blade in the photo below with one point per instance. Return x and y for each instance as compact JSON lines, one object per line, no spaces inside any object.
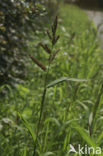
{"x":48,"y":153}
{"x":84,"y":135}
{"x":25,"y":151}
{"x":55,"y":82}
{"x":27,"y":125}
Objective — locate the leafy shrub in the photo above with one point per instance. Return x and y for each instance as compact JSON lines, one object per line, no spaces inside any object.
{"x":17,"y":19}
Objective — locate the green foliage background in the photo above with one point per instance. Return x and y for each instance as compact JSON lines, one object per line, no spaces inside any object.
{"x":69,"y":109}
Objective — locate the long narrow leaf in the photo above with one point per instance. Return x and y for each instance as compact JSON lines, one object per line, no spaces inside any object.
{"x":84,"y":135}
{"x":25,"y":150}
{"x":48,"y":153}
{"x":27,"y":125}
{"x":100,"y":138}
{"x":55,"y":82}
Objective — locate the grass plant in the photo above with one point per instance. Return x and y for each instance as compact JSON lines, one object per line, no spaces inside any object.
{"x":61,"y":102}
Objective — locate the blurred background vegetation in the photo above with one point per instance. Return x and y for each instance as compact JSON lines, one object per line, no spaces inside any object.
{"x":18,"y":20}
{"x":21,"y":22}
{"x":23,"y":25}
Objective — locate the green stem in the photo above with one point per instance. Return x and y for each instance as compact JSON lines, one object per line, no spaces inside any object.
{"x":42,"y":105}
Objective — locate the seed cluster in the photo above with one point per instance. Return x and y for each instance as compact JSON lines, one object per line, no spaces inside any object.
{"x":53,"y":38}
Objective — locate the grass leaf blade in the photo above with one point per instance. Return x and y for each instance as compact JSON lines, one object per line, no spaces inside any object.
{"x":55,"y":82}
{"x":27,"y":125}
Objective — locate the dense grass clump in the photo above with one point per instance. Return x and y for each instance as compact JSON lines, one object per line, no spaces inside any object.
{"x":72,"y":110}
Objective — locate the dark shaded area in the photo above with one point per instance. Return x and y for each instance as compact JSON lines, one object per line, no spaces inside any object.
{"x":88,"y":4}
{"x":15,"y":24}
{"x":91,"y":4}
